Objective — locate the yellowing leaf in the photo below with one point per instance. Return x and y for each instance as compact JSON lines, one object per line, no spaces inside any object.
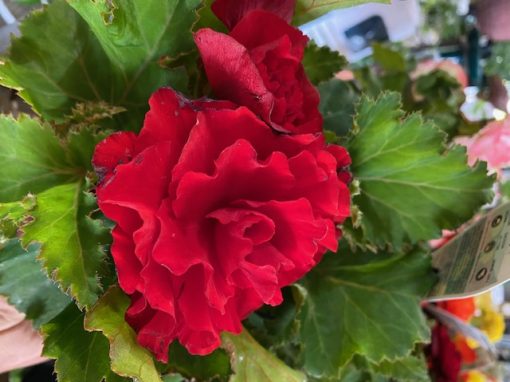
{"x":128,"y":359}
{"x":71,"y":241}
{"x":251,"y":362}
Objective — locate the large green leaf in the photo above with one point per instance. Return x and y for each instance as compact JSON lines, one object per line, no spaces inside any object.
{"x":111,"y":54}
{"x":80,"y":356}
{"x":251,"y":362}
{"x":72,"y":242}
{"x":26,"y":286}
{"x":31,"y":158}
{"x":321,"y":63}
{"x":54,"y":69}
{"x":359,"y":306}
{"x":134,"y":33}
{"x":307,"y":10}
{"x":127,"y":357}
{"x":137,"y":34}
{"x":411,"y":185}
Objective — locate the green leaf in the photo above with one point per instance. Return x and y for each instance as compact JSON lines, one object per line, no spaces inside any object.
{"x":322,"y":63}
{"x":14,"y":215}
{"x":128,"y":359}
{"x":251,"y":362}
{"x":174,"y":378}
{"x":389,"y":58}
{"x":110,"y":53}
{"x":207,"y":18}
{"x":307,"y":10}
{"x":81,"y":146}
{"x":411,"y":185}
{"x":441,"y":98}
{"x":80,"y":356}
{"x":55,"y":70}
{"x":351,"y":374}
{"x":499,"y":62}
{"x":393,"y":70}
{"x":275,"y":327}
{"x":368,"y":80}
{"x":71,"y":240}
{"x":367,"y":308}
{"x":505,"y":190}
{"x":409,"y":369}
{"x":204,"y":368}
{"x":338,"y":101}
{"x":28,"y":2}
{"x":134,"y":34}
{"x":26,"y":286}
{"x":31,"y":158}
{"x":16,"y":375}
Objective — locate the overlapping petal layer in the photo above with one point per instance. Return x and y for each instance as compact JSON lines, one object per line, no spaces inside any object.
{"x":262,"y":70}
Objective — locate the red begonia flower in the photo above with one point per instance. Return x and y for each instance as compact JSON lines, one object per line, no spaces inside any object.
{"x":443,"y":358}
{"x":230,"y":12}
{"x":263,"y":71}
{"x":215,"y":212}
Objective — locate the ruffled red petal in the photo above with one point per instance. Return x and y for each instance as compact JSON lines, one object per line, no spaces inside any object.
{"x":214,"y":213}
{"x":232,"y":73}
{"x":232,"y":11}
{"x":117,"y":149}
{"x":270,"y":28}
